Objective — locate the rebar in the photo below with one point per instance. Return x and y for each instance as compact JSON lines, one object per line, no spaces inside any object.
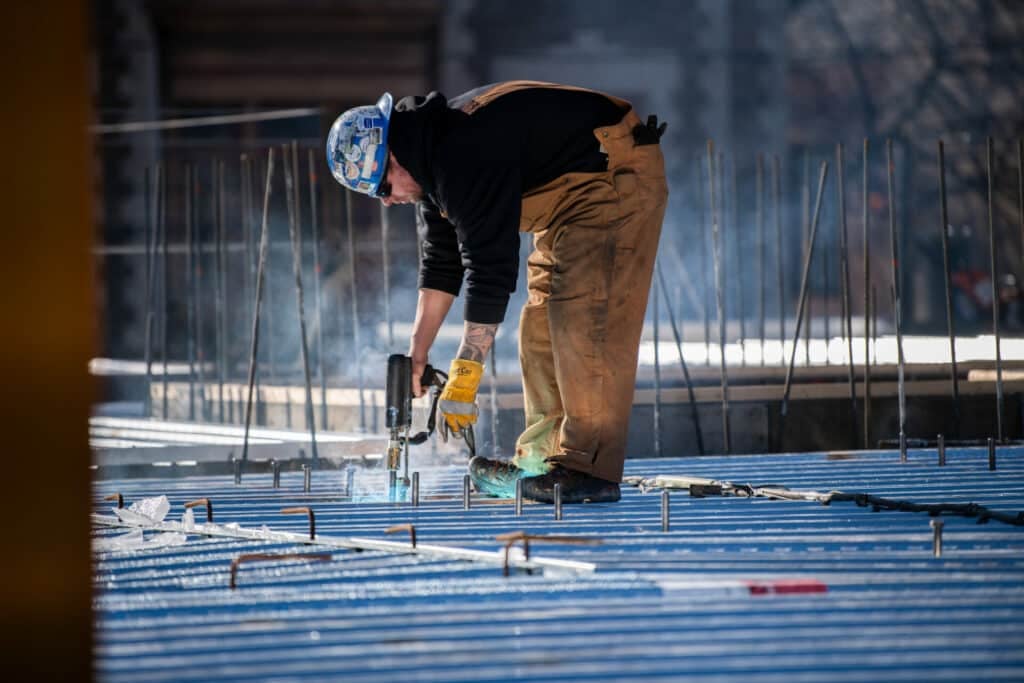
{"x":518,"y":503}
{"x":260,"y":276}
{"x":735,"y":236}
{"x":237,"y":467}
{"x":991,"y":454}
{"x":762,"y":274}
{"x":656,"y":427}
{"x":404,"y":527}
{"x":350,"y":481}
{"x":936,"y":525}
{"x":940,"y":443}
{"x":947,"y":279}
{"x":414,"y":493}
{"x":465,"y":492}
{"x":164,"y":288}
{"x":844,"y":274}
{"x":392,"y":485}
{"x":682,"y":362}
{"x":558,"y":502}
{"x":777,"y":209}
{"x":805,"y":226}
{"x":719,"y":296}
{"x":665,"y":511}
{"x":308,"y":511}
{"x":217,"y":206}
{"x":198,"y":282}
{"x":703,"y":260}
{"x":315,"y":230}
{"x":385,"y":241}
{"x":357,"y":346}
{"x":151,"y":182}
{"x":202,"y":502}
{"x":803,"y":291}
{"x":897,"y":299}
{"x":994,"y":276}
{"x":190,"y":297}
{"x":307,"y":478}
{"x":275,"y":469}
{"x":903,"y":448}
{"x":295,"y":232}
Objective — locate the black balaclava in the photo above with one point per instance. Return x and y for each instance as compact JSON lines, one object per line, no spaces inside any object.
{"x":417,"y":125}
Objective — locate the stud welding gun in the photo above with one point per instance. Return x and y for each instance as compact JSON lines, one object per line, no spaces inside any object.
{"x":398,"y":404}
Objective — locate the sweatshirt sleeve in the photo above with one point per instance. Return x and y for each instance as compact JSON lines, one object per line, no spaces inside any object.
{"x":440,"y":264}
{"x":484,"y":202}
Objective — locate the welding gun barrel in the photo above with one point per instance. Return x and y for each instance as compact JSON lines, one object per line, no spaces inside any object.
{"x":398,"y":401}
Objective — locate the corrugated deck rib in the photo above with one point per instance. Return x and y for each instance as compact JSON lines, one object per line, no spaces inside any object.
{"x":659,"y":605}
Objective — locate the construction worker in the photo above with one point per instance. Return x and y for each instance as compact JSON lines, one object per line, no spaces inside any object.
{"x":582,"y":173}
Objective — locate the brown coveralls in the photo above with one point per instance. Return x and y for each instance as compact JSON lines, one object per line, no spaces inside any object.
{"x":595,"y":238}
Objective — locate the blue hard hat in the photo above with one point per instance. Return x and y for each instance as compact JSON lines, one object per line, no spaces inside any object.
{"x":357,"y":146}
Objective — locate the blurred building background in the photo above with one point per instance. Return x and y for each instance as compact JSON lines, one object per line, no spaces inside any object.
{"x":778,"y":78}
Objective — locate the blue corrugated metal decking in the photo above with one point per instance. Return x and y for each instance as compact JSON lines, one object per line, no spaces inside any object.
{"x":659,"y":605}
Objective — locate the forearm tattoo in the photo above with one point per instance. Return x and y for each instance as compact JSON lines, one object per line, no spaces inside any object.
{"x":476,"y":341}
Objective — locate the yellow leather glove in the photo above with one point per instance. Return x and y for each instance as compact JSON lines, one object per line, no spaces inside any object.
{"x":457,"y":404}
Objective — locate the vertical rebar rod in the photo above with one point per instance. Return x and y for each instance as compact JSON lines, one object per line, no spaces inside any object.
{"x":682,"y":361}
{"x":994,"y":276}
{"x":385,"y":244}
{"x":865,"y":221}
{"x":657,"y":374}
{"x":558,"y":502}
{"x":495,"y":421}
{"x":805,"y":227}
{"x":258,"y":304}
{"x":190,"y":297}
{"x":314,"y":224}
{"x":255,"y":167}
{"x":218,"y":264}
{"x":518,"y":501}
{"x":803,"y":289}
{"x":150,"y":181}
{"x":414,"y":493}
{"x":940,"y":443}
{"x":946,"y":277}
{"x":164,"y":289}
{"x":466,"y":501}
{"x":897,"y":294}
{"x":719,"y":295}
{"x":936,"y":525}
{"x":762,"y":271}
{"x":200,"y":347}
{"x":357,"y":350}
{"x":991,"y":454}
{"x":826,"y":283}
{"x":245,"y":214}
{"x":844,"y":275}
{"x":874,"y":324}
{"x":779,"y":261}
{"x":665,"y":511}
{"x":734,"y":234}
{"x":295,"y":233}
{"x":702,"y":235}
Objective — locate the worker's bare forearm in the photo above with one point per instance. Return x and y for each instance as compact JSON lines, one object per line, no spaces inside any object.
{"x":477,"y":339}
{"x":432,"y":307}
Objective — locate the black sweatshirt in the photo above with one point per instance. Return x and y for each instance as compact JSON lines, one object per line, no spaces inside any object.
{"x":474,"y":170}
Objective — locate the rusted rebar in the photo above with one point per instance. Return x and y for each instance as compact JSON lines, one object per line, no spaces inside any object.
{"x":404,"y":527}
{"x":308,"y":511}
{"x":202,"y":502}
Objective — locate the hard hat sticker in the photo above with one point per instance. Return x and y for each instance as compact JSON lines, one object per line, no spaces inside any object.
{"x":370,"y":163}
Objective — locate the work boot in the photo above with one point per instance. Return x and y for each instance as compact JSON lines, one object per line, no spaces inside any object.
{"x":577,"y":487}
{"x":495,"y":477}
